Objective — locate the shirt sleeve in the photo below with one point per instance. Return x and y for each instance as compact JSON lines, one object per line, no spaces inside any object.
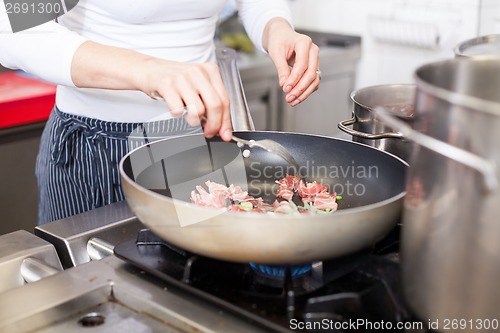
{"x":255,"y":14}
{"x":45,"y":51}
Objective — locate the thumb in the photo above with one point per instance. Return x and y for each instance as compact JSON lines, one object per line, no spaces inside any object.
{"x":282,"y":67}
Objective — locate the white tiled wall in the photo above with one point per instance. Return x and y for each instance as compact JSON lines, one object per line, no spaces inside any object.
{"x":384,"y":62}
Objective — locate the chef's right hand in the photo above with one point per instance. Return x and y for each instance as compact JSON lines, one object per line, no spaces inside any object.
{"x":197,"y":88}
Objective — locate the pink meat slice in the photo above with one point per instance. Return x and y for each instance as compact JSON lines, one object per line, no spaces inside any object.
{"x":235,"y":199}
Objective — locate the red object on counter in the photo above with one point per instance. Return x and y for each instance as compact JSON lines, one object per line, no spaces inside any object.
{"x":24,"y":100}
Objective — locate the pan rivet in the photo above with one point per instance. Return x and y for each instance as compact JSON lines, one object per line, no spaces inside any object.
{"x":246,"y":153}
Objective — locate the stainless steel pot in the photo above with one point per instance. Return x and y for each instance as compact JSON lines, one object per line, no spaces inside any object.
{"x":451,"y":230}
{"x":367,"y":129}
{"x":479,"y":46}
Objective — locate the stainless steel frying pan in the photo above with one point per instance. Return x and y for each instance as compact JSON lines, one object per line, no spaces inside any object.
{"x":157,"y":180}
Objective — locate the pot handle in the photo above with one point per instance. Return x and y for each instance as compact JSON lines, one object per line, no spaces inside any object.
{"x":240,"y":113}
{"x":343,"y":127}
{"x":485,"y":167}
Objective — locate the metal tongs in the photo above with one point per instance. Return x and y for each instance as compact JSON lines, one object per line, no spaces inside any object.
{"x":240,"y":113}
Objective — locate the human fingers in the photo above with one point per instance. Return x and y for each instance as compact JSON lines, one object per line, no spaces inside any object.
{"x":173,"y":100}
{"x":191,"y":89}
{"x":312,"y":88}
{"x":281,"y":63}
{"x":208,"y":84}
{"x":310,"y":78}
{"x":225,"y":130}
{"x":193,"y":104}
{"x":302,"y":48}
{"x":201,"y":97}
{"x":174,"y":87}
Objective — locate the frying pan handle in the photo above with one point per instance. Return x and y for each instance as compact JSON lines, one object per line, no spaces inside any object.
{"x":388,"y":135}
{"x":485,"y":167}
{"x":240,"y":114}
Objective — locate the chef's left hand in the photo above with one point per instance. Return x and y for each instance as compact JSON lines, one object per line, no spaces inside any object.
{"x":288,"y":48}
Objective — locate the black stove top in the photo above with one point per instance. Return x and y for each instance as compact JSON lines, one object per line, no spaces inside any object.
{"x":355,"y":293}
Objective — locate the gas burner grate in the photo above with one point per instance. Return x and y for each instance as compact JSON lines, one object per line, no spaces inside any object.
{"x":363,"y":285}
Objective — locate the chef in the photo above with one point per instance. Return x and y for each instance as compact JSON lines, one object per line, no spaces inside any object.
{"x":111,"y":60}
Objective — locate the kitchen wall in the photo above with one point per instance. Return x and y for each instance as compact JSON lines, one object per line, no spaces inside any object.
{"x":399,"y":35}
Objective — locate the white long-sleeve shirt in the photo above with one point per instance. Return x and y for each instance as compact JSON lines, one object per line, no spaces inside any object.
{"x":178,"y":30}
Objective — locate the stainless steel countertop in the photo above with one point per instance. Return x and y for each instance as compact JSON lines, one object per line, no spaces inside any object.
{"x":15,"y":248}
{"x":129,"y":299}
{"x":70,"y":236}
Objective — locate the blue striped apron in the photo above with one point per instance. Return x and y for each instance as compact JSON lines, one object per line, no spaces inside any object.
{"x":77,"y":164}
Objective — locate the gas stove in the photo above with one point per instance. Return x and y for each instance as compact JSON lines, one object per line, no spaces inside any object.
{"x":149,"y":285}
{"x":355,"y":293}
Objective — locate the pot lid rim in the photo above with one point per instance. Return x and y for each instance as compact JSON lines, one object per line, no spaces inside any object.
{"x":359,"y":91}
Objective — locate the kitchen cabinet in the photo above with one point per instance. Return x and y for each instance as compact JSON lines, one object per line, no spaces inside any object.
{"x":18,"y":192}
{"x":25,"y":104}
